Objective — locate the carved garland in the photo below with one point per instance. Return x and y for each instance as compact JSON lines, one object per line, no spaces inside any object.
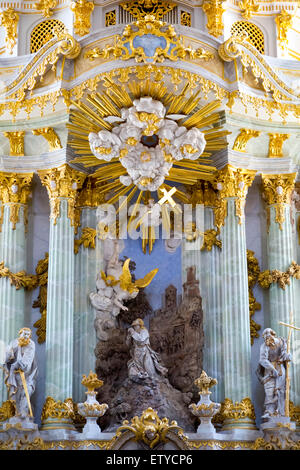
{"x":87,"y":239}
{"x":282,"y":278}
{"x":253,"y":274}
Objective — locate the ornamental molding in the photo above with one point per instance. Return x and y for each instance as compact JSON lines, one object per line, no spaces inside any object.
{"x":237,"y":46}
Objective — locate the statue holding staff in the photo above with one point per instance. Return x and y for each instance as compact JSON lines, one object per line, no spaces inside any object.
{"x":20,"y":372}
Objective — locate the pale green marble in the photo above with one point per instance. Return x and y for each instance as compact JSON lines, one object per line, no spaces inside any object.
{"x":12,"y":301}
{"x":281,"y":252}
{"x":235,"y":308}
{"x":88,"y":262}
{"x":60,"y":307}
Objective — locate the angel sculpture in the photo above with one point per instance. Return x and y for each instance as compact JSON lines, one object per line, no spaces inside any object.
{"x":113,"y":288}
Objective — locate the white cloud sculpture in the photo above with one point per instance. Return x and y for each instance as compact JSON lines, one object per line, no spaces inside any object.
{"x":147,"y":144}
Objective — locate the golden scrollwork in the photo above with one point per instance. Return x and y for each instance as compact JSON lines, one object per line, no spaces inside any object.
{"x":204,"y":383}
{"x":110,"y":18}
{"x":15,"y":189}
{"x":284,"y":22}
{"x":243,"y":138}
{"x":87,"y":239}
{"x":62,"y":182}
{"x":7,"y":410}
{"x":50,"y":135}
{"x":9,"y":20}
{"x":124,"y":48}
{"x":46,"y":7}
{"x":214,"y":11}
{"x":275,"y":144}
{"x":150,"y":429}
{"x":16,"y":143}
{"x":248,"y":8}
{"x":282,"y":278}
{"x":275,"y":443}
{"x":238,"y":410}
{"x":210,"y":239}
{"x":277,"y":190}
{"x":57,"y":410}
{"x":82,"y":10}
{"x":141,"y":8}
{"x":231,"y":182}
{"x":185,"y":19}
{"x":253,"y":274}
{"x":294,"y":413}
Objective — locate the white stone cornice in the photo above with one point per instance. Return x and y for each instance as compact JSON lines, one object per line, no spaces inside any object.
{"x":38,"y":162}
{"x":248,"y":162}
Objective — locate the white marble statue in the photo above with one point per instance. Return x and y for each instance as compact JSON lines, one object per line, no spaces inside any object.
{"x":144,"y":361}
{"x":20,"y":361}
{"x":271,"y":372}
{"x":114,"y":286}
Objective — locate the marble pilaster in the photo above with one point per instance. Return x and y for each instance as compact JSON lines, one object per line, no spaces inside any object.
{"x":232,"y":184}
{"x":14,"y":192}
{"x":62,"y":184}
{"x":281,"y":252}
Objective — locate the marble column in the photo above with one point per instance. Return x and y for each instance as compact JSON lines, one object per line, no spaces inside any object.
{"x":62,"y":184}
{"x":14,"y":192}
{"x":277,"y":191}
{"x":238,"y":411}
{"x":88,"y":263}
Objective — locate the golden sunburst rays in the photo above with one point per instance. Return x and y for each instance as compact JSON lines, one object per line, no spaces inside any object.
{"x":94,"y":114}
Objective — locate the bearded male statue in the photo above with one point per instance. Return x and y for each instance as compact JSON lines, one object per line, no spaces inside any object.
{"x":271,"y":372}
{"x":20,"y":372}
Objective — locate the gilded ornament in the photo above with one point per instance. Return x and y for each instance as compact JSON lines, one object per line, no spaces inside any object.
{"x":214,"y":11}
{"x":243,"y":138}
{"x":62,"y":182}
{"x":91,"y":382}
{"x":46,"y":7}
{"x":210,"y":239}
{"x":238,"y":410}
{"x":87,"y":239}
{"x":173,"y":49}
{"x":150,"y":429}
{"x":185,"y":19}
{"x":50,"y":135}
{"x":284,"y":22}
{"x":82,"y":10}
{"x":253,"y":274}
{"x":14,"y":191}
{"x":7,"y":410}
{"x":204,"y":383}
{"x":110,"y":18}
{"x":57,"y":410}
{"x":19,"y":279}
{"x":16,"y":143}
{"x":277,"y":191}
{"x":294,"y":413}
{"x":41,"y":302}
{"x":248,"y":8}
{"x":276,"y":143}
{"x":9,"y":20}
{"x":282,"y":278}
{"x":141,"y":8}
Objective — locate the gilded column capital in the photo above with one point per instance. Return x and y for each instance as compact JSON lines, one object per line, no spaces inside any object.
{"x":90,"y":194}
{"x":16,"y":143}
{"x":276,"y":143}
{"x":214,"y":11}
{"x":231,"y":182}
{"x":62,"y":182}
{"x":9,"y":20}
{"x":242,"y":139}
{"x":15,"y":189}
{"x":277,"y":191}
